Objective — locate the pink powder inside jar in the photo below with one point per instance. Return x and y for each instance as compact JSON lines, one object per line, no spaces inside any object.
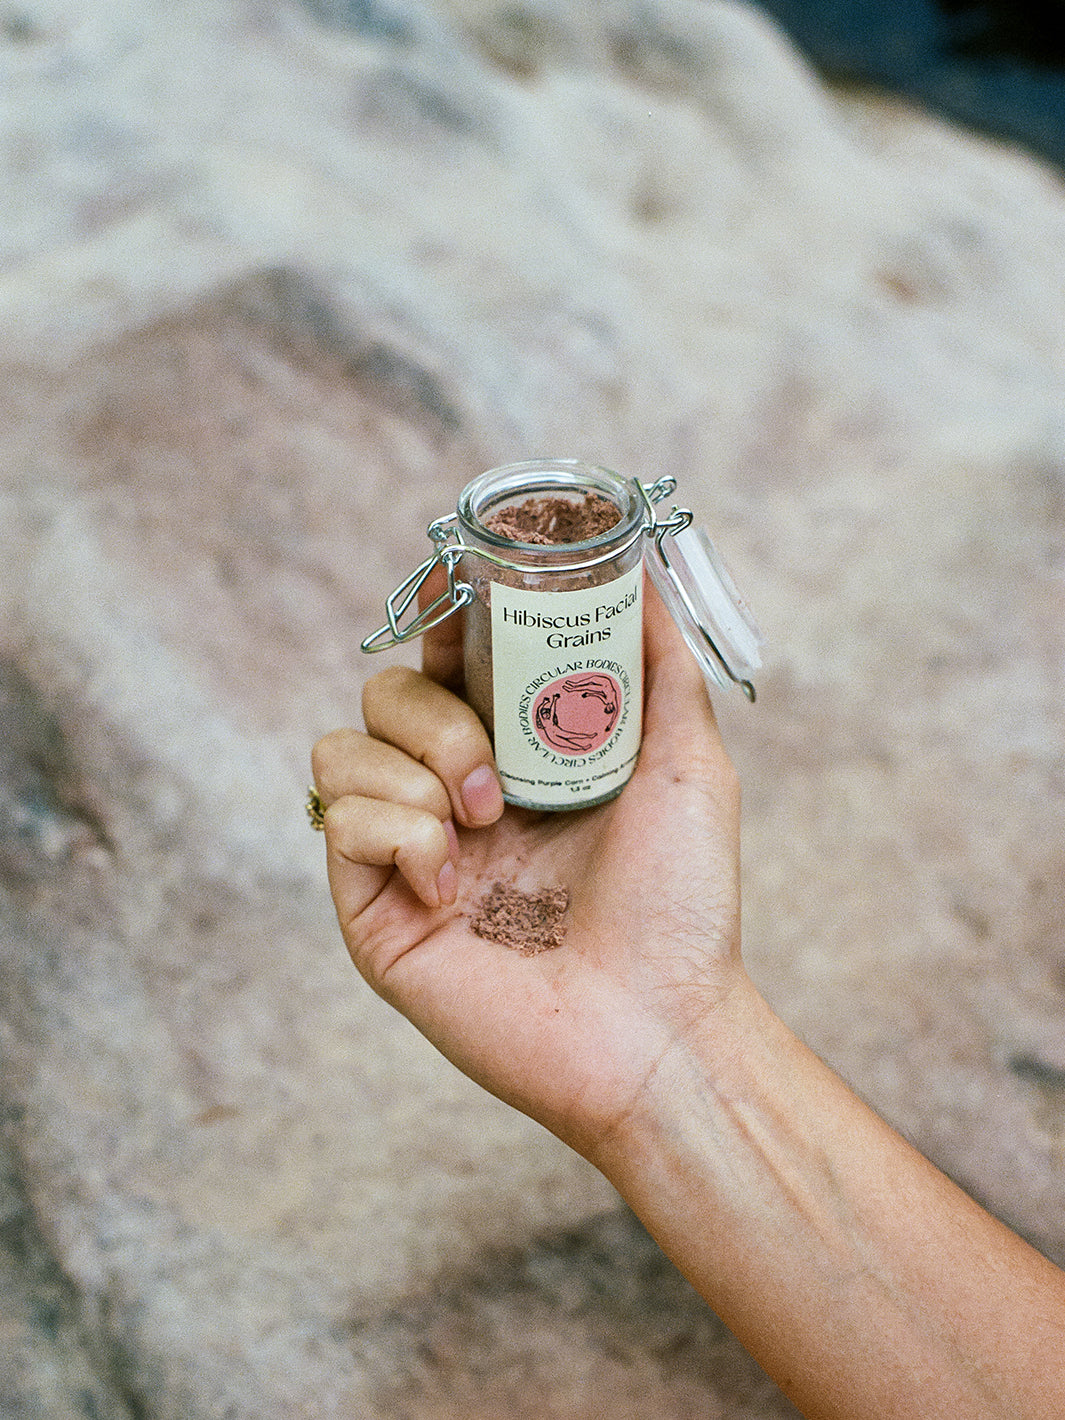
{"x":549,"y":521}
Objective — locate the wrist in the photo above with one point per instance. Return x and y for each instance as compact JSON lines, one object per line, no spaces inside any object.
{"x":712,"y":1058}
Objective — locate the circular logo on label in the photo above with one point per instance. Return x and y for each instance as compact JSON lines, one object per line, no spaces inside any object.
{"x":577,"y":714}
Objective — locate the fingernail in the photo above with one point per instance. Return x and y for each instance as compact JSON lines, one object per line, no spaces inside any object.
{"x":482,"y":797}
{"x":447,"y":885}
{"x":452,"y":840}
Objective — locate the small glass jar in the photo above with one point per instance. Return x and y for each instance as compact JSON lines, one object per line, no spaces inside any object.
{"x":553,"y":633}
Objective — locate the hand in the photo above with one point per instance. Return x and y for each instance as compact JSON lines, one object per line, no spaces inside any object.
{"x":416,"y":832}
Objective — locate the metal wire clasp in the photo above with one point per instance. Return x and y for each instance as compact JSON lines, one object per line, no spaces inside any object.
{"x":679,"y":518}
{"x":458,"y":594}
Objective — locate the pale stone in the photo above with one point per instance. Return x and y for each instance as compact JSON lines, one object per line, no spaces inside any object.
{"x":274,"y":282}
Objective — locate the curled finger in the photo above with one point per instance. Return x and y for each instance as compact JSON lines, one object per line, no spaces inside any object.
{"x":348,"y":762}
{"x":367,"y":838}
{"x":435,"y":727}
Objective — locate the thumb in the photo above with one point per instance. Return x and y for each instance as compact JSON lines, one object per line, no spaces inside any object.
{"x":681,"y":737}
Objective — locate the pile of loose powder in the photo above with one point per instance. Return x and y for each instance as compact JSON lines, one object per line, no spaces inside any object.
{"x":527,"y":922}
{"x":549,"y":521}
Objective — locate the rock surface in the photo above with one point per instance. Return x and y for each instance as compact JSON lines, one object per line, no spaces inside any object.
{"x":275,"y":280}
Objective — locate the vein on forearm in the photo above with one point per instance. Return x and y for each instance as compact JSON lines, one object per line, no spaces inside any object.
{"x":855,"y":1272}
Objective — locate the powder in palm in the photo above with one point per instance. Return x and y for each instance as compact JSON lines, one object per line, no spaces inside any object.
{"x":527,"y":922}
{"x":549,"y":521}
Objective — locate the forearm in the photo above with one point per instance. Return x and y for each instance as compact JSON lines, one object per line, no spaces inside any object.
{"x":860,"y":1277}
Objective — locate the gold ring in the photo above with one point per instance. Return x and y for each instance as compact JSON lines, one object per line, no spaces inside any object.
{"x":315,"y":810}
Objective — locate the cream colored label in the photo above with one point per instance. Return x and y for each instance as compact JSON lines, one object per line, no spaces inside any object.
{"x":567,"y":672}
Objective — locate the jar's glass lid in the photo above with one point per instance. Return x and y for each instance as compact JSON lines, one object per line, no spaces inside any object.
{"x":707,"y":607}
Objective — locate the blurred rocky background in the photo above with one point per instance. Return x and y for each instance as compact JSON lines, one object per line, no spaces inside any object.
{"x":276,"y":278}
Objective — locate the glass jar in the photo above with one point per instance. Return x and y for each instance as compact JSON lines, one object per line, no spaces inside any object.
{"x":553,"y":633}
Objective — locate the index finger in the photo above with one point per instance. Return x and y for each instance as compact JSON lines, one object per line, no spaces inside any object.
{"x":442,"y":644}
